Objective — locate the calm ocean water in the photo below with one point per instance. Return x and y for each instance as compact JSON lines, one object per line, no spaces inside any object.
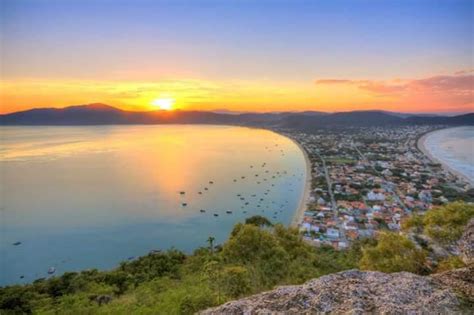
{"x":454,"y":147}
{"x":90,"y":197}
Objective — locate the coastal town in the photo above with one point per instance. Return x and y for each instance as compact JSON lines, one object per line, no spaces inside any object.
{"x":364,"y":180}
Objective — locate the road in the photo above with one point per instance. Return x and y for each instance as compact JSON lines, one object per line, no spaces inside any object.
{"x":342,"y":234}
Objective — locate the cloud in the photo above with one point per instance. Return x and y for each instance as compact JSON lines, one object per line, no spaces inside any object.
{"x":464,"y":71}
{"x":461,"y":83}
{"x":449,"y":91}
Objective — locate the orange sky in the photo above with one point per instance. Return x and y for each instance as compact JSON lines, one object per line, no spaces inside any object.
{"x":437,"y":93}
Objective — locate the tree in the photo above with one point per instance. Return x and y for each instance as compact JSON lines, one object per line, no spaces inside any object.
{"x":258,"y":220}
{"x":211,"y":240}
{"x":393,"y":253}
{"x":258,"y":249}
{"x":235,"y":281}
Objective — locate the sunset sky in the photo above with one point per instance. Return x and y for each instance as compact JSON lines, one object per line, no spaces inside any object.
{"x":406,"y":56}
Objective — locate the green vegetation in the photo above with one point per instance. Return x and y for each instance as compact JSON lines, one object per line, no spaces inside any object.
{"x":393,"y":253}
{"x":450,"y":263}
{"x":338,"y":160}
{"x":256,"y":257}
{"x":444,"y":224}
{"x":258,"y":220}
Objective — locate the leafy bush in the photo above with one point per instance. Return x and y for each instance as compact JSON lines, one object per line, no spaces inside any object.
{"x":446,"y":223}
{"x":393,"y":253}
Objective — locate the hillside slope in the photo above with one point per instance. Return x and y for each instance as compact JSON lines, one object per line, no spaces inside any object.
{"x":361,"y":292}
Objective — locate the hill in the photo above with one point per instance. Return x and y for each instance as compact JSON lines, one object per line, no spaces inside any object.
{"x":101,"y":114}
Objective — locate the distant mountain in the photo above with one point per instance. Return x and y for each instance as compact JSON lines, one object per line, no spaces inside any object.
{"x":102,"y":114}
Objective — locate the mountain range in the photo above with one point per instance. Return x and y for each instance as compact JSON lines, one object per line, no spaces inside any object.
{"x":102,"y":114}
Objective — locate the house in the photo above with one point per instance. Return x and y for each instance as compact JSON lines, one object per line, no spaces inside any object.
{"x":375,"y":196}
{"x":332,"y":233}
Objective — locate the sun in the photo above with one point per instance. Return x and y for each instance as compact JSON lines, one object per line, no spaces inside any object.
{"x":163,"y":103}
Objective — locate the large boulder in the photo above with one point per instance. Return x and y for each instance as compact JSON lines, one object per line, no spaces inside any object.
{"x":351,"y":292}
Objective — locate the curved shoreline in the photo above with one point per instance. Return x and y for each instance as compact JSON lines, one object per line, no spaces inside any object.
{"x":303,"y":205}
{"x":423,"y":148}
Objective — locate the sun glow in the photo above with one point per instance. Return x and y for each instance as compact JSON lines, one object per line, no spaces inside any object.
{"x":163,"y":103}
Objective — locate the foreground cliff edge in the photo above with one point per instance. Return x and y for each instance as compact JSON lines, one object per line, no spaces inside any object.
{"x":360,"y":292}
{"x":351,"y":292}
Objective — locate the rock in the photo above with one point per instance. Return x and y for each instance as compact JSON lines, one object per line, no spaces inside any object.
{"x":460,"y":280}
{"x":466,"y":244}
{"x":351,"y":292}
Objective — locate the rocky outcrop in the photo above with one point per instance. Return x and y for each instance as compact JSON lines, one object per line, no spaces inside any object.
{"x":466,"y":244}
{"x":352,"y":292}
{"x":460,"y":281}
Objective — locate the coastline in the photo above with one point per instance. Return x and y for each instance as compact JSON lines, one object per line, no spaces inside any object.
{"x":303,"y":205}
{"x":422,"y":147}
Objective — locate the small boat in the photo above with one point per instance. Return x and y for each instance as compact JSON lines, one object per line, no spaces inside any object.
{"x":200,"y":192}
{"x":211,"y":182}
{"x":51,"y":270}
{"x":184,"y":204}
{"x":238,"y":195}
{"x":131,"y":257}
{"x":16,"y":243}
{"x":205,"y":188}
{"x":182,"y":192}
{"x":216,"y":215}
{"x":202,"y":210}
{"x":235,"y":180}
{"x":228,"y":212}
{"x":242,"y":198}
{"x":243,"y":177}
{"x":246,"y":203}
{"x":22,"y":277}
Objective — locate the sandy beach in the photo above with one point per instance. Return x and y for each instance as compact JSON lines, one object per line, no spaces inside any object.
{"x":421,"y":144}
{"x":299,"y":213}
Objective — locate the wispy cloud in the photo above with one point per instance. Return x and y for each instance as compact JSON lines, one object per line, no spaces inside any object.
{"x":460,"y":83}
{"x":439,"y":92}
